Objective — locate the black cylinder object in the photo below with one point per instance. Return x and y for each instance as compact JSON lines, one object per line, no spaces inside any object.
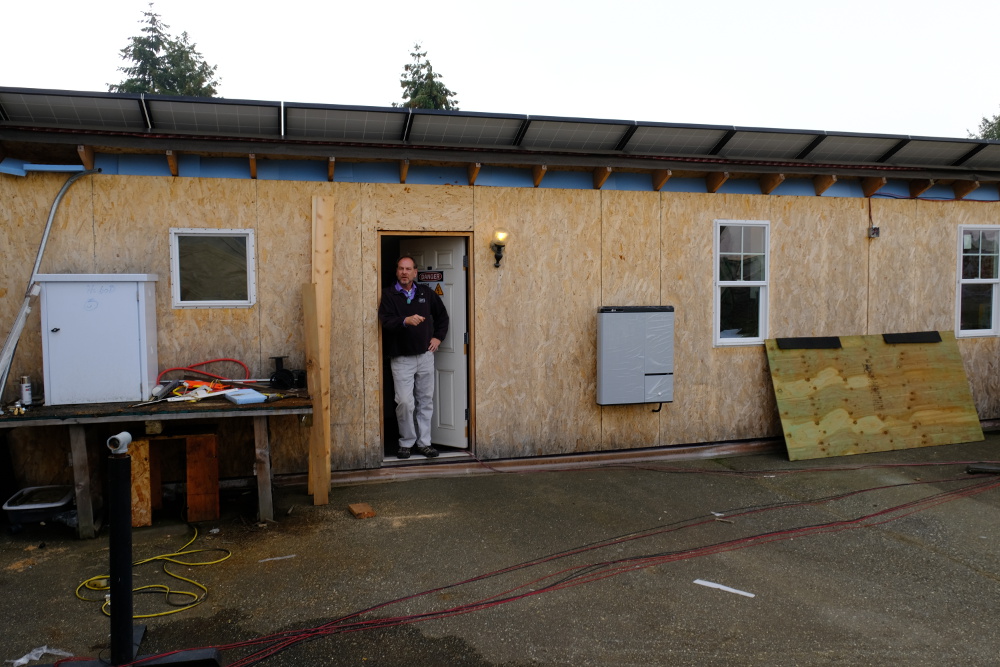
{"x":120,"y":547}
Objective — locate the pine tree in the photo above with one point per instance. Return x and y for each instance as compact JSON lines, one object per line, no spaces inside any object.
{"x":163,"y":64}
{"x":989,"y":128}
{"x":422,"y":86}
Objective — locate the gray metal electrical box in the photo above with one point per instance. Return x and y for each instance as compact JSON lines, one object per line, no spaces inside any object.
{"x":98,"y":337}
{"x":635,"y":354}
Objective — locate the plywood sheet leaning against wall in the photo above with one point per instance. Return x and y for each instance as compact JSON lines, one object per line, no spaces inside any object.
{"x":869,"y":395}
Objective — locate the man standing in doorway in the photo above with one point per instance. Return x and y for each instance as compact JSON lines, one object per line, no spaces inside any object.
{"x":414,"y":322}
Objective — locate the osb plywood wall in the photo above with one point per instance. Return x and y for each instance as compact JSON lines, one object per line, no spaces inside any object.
{"x":571,"y":251}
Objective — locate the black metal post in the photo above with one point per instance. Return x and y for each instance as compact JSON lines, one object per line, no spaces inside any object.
{"x":120,"y":547}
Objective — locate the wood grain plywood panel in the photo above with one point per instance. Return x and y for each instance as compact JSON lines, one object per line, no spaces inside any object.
{"x":423,"y":208}
{"x":284,"y":257}
{"x":348,"y":448}
{"x":26,"y":204}
{"x":982,"y":365}
{"x":912,"y":275}
{"x":133,"y":217}
{"x":719,"y":393}
{"x":142,"y":499}
{"x":870,"y":396}
{"x":630,"y":276}
{"x":819,"y":266}
{"x":535,"y":325}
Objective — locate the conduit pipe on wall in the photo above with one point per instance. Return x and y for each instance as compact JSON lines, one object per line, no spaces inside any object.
{"x":10,"y":346}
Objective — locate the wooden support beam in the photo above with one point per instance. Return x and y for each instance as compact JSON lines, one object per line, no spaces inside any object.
{"x":253,"y":165}
{"x":404,"y":167}
{"x":172,"y":162}
{"x":660,"y":178}
{"x":715,"y":179}
{"x":600,"y":176}
{"x":474,"y":168}
{"x":873,"y":184}
{"x":330,"y":165}
{"x":538,"y":173}
{"x":769,"y":182}
{"x":963,"y":188}
{"x":86,"y":154}
{"x":823,"y":182}
{"x":321,"y":293}
{"x":920,"y":186}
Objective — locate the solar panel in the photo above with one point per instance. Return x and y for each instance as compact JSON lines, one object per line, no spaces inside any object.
{"x":931,"y":152}
{"x":766,"y":145}
{"x":464,"y":130}
{"x":837,"y":148}
{"x":572,"y":135}
{"x":206,"y":117}
{"x":73,"y":111}
{"x":988,"y":158}
{"x":344,"y":124}
{"x":673,"y":140}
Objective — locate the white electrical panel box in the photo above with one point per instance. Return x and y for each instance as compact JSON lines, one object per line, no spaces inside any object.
{"x":98,"y":337}
{"x":635,"y":354}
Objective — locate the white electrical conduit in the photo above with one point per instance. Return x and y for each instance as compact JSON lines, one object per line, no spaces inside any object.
{"x":7,"y":354}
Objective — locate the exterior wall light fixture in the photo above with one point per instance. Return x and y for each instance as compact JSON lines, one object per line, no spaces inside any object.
{"x":498,"y":243}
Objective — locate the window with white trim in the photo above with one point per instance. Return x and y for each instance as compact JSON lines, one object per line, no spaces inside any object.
{"x":212,"y":268}
{"x":977,"y":298}
{"x":741,"y":281}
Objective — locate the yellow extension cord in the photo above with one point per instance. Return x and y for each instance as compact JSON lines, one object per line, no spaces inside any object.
{"x":100,"y":582}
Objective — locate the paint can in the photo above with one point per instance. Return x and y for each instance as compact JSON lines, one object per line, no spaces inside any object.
{"x":25,"y":390}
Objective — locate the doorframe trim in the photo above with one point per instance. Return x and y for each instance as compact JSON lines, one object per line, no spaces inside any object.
{"x":470,"y":299}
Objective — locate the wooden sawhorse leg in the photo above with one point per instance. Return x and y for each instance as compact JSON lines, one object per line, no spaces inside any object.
{"x":85,"y":527}
{"x":262,"y":469}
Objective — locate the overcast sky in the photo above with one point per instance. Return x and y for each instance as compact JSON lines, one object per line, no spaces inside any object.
{"x":919,"y":67}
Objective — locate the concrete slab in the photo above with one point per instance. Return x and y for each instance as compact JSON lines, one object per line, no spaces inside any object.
{"x":922,"y":589}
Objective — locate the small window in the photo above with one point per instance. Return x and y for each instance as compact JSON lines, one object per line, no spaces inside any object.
{"x":741,"y":280}
{"x":978,"y":250}
{"x":212,"y":268}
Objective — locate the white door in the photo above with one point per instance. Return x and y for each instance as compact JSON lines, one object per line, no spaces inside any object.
{"x":440,"y":264}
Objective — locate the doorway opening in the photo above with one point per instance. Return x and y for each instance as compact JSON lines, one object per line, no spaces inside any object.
{"x":444,"y":265}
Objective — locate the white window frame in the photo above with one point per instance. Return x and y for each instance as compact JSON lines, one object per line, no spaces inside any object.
{"x":175,"y":283}
{"x":763,"y":306}
{"x":960,"y":281}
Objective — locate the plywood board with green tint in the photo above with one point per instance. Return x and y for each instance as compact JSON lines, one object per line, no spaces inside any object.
{"x":871,"y":396}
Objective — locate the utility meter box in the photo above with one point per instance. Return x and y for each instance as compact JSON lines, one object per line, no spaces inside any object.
{"x":98,"y":337}
{"x":635,"y":354}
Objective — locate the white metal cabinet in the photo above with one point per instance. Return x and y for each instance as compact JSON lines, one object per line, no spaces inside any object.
{"x":98,"y":337}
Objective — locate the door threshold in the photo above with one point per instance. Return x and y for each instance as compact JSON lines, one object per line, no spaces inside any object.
{"x":443,"y":455}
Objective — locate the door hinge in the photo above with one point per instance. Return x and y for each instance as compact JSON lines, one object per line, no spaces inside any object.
{"x":466,"y":337}
{"x":467,"y":414}
{"x":465,"y":261}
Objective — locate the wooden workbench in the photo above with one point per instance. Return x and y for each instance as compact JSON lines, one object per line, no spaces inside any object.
{"x":77,"y":417}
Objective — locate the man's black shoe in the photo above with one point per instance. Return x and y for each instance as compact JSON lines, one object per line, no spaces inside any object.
{"x":403,"y":453}
{"x":429,"y":452}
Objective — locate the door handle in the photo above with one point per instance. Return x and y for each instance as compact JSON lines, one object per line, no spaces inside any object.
{"x":55,"y":329}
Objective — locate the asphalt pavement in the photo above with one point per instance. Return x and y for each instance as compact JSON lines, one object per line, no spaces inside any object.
{"x":889,"y":558}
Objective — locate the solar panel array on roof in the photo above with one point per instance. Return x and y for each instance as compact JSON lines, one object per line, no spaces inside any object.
{"x":770,"y":146}
{"x":344,"y":124}
{"x":464,"y":130}
{"x":559,"y":135}
{"x":202,"y":118}
{"x":129,"y":113}
{"x":77,"y":112}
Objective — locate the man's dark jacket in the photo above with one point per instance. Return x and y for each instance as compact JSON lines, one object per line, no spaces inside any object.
{"x":402,"y":340}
